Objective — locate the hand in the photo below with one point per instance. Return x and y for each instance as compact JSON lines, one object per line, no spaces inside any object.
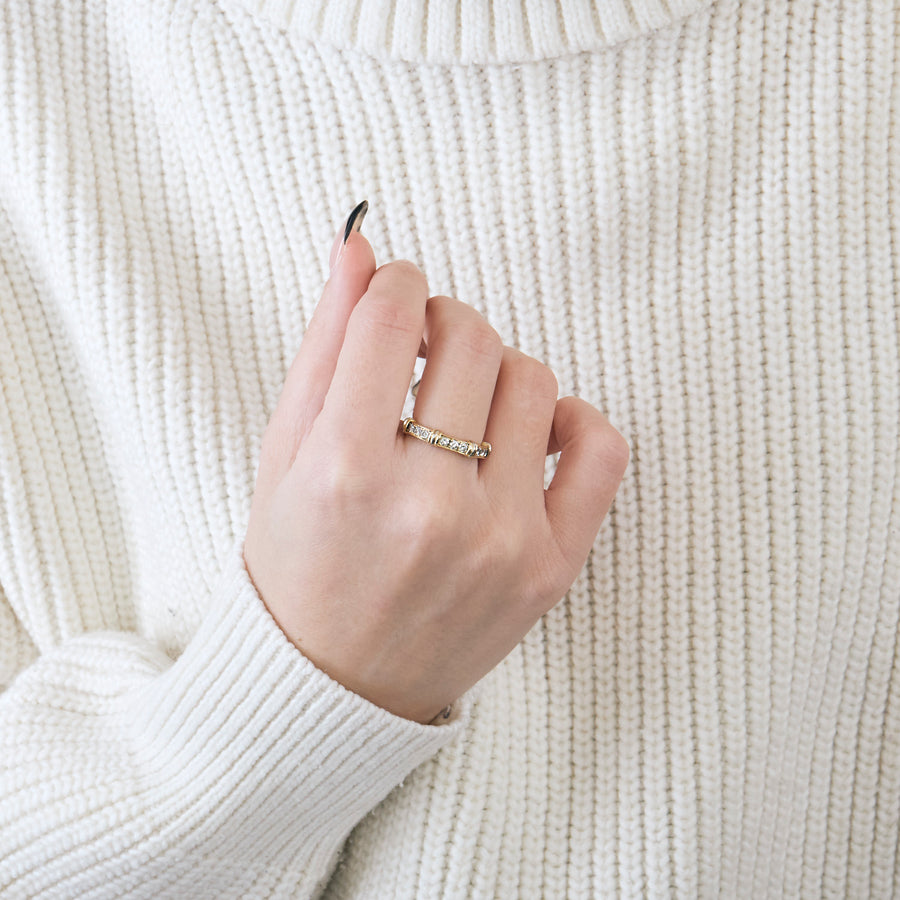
{"x":405,"y":571}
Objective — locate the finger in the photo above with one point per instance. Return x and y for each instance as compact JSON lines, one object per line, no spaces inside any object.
{"x":353,"y":224}
{"x":519,"y":425}
{"x":463,"y":359}
{"x":310,"y":374}
{"x":593,"y":458}
{"x":376,"y":361}
{"x":311,"y":371}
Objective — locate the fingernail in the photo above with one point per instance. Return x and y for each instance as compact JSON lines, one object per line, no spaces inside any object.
{"x":355,"y":219}
{"x":354,"y":223}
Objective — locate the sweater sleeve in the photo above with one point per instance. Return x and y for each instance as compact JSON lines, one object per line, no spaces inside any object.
{"x":237,"y":770}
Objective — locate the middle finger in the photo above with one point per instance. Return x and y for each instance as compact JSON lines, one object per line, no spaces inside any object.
{"x":462,"y":359}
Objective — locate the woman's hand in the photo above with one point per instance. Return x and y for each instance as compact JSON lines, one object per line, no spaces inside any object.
{"x":405,"y":571}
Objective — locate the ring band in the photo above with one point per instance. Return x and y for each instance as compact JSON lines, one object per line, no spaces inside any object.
{"x":439,"y":439}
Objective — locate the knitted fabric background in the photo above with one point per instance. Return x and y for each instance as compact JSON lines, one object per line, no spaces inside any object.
{"x":687,"y":211}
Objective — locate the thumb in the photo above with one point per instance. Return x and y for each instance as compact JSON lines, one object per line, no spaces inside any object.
{"x":352,"y":262}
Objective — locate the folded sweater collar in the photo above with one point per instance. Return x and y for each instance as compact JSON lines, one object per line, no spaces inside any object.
{"x":472,"y":31}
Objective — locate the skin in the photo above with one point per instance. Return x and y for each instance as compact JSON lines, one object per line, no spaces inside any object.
{"x":403,"y":571}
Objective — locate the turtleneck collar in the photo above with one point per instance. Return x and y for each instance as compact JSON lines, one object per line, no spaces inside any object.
{"x":472,"y":31}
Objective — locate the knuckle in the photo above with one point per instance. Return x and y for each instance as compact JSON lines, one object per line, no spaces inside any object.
{"x":481,"y":340}
{"x":394,"y":304}
{"x":534,"y":378}
{"x":465,"y":327}
{"x":402,"y":274}
{"x":605,"y":447}
{"x":339,"y":481}
{"x":619,"y":450}
{"x":547,"y":384}
{"x":514,"y":544}
{"x":610,"y":451}
{"x":502,"y":545}
{"x":427,"y":526}
{"x":440,"y":305}
{"x":546,"y":583}
{"x":385,"y":316}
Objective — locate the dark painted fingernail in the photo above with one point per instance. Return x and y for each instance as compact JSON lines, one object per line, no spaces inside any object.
{"x":354,"y":223}
{"x":355,"y":220}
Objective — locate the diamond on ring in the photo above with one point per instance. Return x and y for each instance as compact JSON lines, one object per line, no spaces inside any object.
{"x":470,"y":449}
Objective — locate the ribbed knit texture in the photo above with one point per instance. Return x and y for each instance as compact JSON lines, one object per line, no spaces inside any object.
{"x":689,"y":211}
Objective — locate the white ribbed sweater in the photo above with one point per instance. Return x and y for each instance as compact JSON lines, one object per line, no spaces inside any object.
{"x":688,"y":209}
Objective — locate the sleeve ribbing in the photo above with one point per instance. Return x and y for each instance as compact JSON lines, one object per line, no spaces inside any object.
{"x":124,"y":772}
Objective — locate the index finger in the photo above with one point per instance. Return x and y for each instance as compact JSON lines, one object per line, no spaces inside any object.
{"x":376,"y":360}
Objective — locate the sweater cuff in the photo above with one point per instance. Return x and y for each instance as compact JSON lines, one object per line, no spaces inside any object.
{"x":244,"y":729}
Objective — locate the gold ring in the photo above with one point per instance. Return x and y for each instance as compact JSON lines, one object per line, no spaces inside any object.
{"x":439,"y":439}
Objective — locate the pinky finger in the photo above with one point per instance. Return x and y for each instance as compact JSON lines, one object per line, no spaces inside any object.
{"x":593,"y":458}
